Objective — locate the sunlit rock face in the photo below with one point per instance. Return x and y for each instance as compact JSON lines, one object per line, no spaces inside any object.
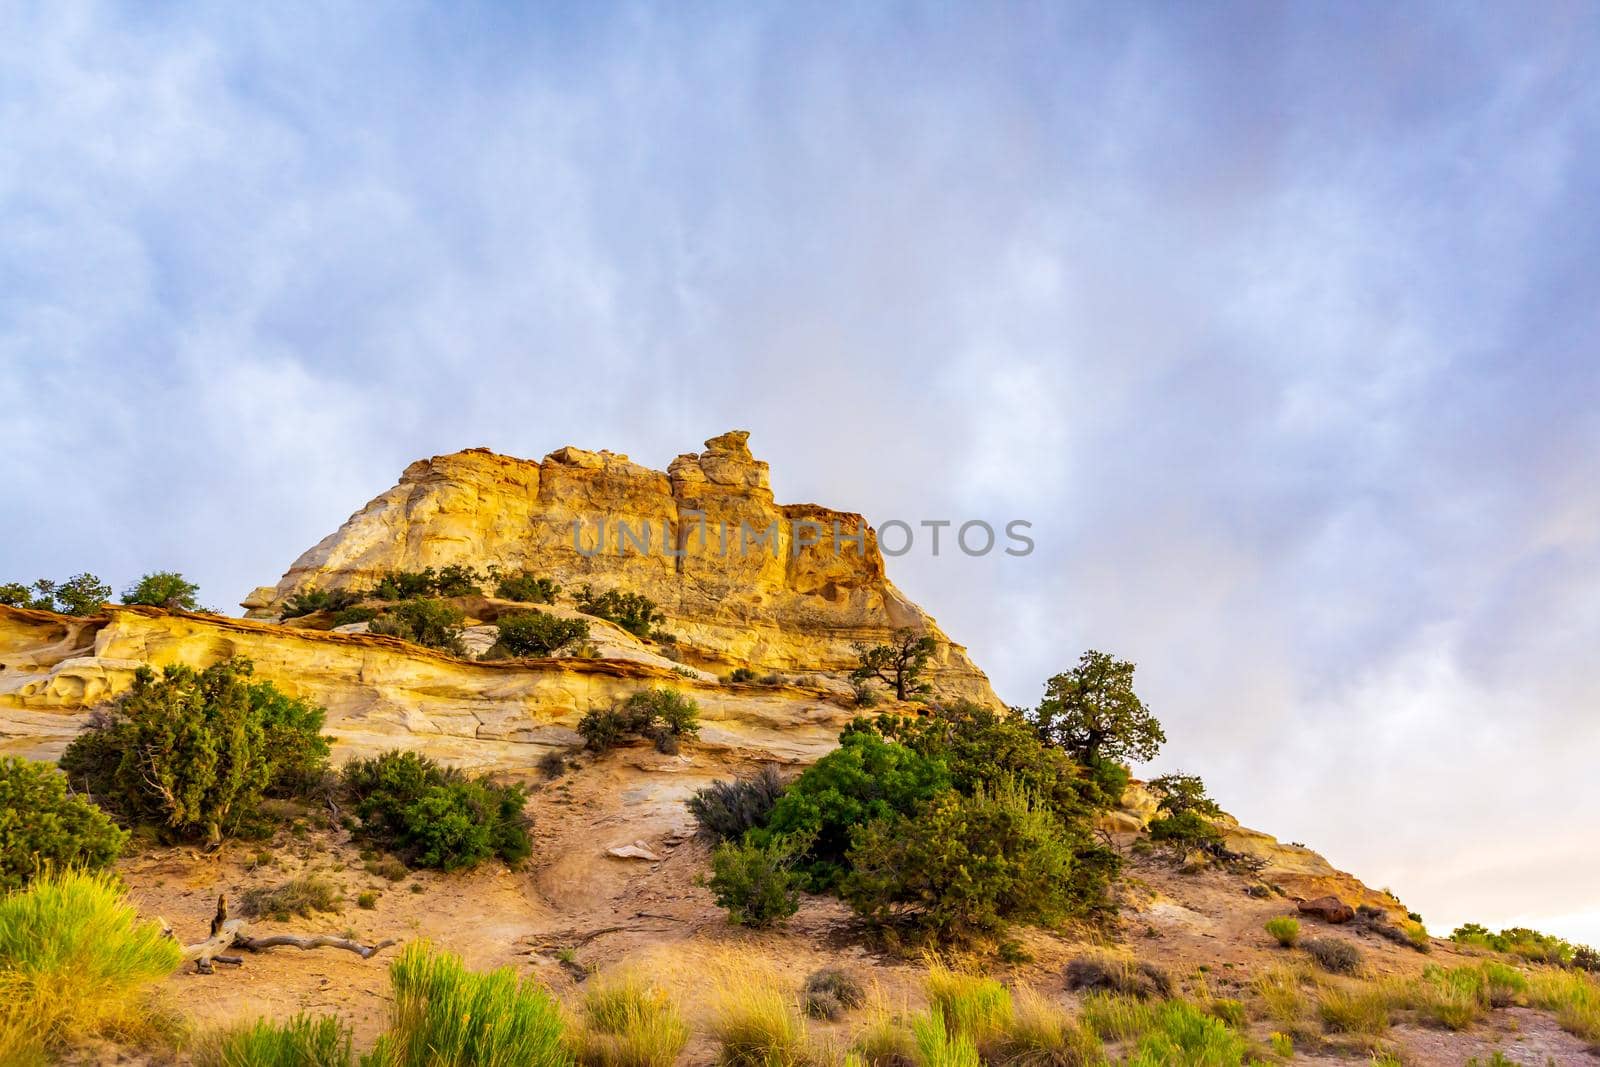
{"x":743,"y":581}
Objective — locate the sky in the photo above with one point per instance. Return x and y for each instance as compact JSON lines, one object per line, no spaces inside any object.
{"x":1278,"y":322}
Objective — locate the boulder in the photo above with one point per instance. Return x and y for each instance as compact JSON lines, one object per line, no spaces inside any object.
{"x":1329,"y":909}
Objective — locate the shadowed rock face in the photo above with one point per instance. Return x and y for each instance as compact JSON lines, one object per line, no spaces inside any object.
{"x":744,"y":580}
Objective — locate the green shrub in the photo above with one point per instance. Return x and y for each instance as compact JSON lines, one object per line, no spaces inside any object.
{"x":457,"y":580}
{"x":297,"y":898}
{"x":359,"y":613}
{"x":163,"y":589}
{"x":754,"y":883}
{"x":43,"y":827}
{"x":1520,"y":941}
{"x":538,"y":633}
{"x":405,"y":585}
{"x":527,"y":588}
{"x":1187,"y":828}
{"x":430,"y":623}
{"x":447,"y":1016}
{"x":1180,"y":793}
{"x":367,"y":899}
{"x":194,"y":752}
{"x":742,"y":674}
{"x":971,"y":1005}
{"x":664,"y":716}
{"x":634,"y":612}
{"x":1182,"y":1034}
{"x":727,"y":810}
{"x":436,"y":816}
{"x":311,"y":599}
{"x":630,"y":1024}
{"x":303,"y":1041}
{"x":865,"y":778}
{"x":76,"y":962}
{"x":1285,"y":928}
{"x":962,"y":867}
{"x":82,"y":594}
{"x":1333,"y":954}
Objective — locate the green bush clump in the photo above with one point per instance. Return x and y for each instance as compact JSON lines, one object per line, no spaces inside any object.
{"x":865,"y":778}
{"x":82,"y":594}
{"x":1186,"y":811}
{"x":435,"y":816}
{"x":755,"y":883}
{"x":664,"y":716}
{"x":1520,"y":941}
{"x":77,"y":962}
{"x":359,"y":613}
{"x":194,"y":752}
{"x":458,"y":580}
{"x":634,"y":612}
{"x":831,"y":992}
{"x":526,"y":587}
{"x":742,"y":674}
{"x":538,"y":633}
{"x":727,"y":810}
{"x":431,"y":623}
{"x":447,"y":1016}
{"x":43,"y":827}
{"x":303,"y":1041}
{"x":311,"y":599}
{"x":163,"y":589}
{"x":1285,"y":929}
{"x":405,"y":585}
{"x":962,"y":867}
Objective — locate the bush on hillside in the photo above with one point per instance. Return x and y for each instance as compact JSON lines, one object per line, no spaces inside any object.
{"x":163,"y":589}
{"x":526,"y":587}
{"x":864,"y":779}
{"x":664,"y":716}
{"x":830,"y":992}
{"x":435,"y":816}
{"x":1285,"y":929}
{"x":458,"y":580}
{"x":44,"y":827}
{"x":1333,"y":954}
{"x":405,"y":585}
{"x":963,"y":867}
{"x":311,"y":600}
{"x":193,"y":752}
{"x":539,"y":633}
{"x":727,"y":810}
{"x":634,"y":612}
{"x":431,"y":623}
{"x":754,"y":883}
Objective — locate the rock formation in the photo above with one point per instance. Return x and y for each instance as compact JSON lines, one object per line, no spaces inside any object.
{"x":743,"y":581}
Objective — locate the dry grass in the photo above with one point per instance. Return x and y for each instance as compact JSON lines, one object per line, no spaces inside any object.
{"x":970,"y":1005}
{"x":1118,"y":972}
{"x":628,"y":1023}
{"x":756,"y":1022}
{"x":76,"y":962}
{"x":1358,"y":1008}
{"x":1285,"y":996}
{"x":298,"y":897}
{"x":1574,"y":998}
{"x":1042,"y":1034}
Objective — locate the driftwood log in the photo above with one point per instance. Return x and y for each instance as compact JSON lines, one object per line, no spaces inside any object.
{"x":228,"y":935}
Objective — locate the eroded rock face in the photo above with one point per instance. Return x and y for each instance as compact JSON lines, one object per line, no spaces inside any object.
{"x":743,"y":580}
{"x":380,"y":692}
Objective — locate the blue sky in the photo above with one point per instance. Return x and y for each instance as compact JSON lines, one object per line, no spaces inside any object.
{"x":1278,"y":322}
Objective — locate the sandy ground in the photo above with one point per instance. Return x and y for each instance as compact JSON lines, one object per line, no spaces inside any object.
{"x":575,"y":909}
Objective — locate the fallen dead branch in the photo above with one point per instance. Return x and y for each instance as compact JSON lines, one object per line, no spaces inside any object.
{"x":230,"y":934}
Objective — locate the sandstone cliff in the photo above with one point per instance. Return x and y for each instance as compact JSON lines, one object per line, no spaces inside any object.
{"x":744,"y":581}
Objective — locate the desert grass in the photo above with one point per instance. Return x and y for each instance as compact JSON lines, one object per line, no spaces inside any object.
{"x":1572,"y":996}
{"x":628,"y":1023}
{"x":757,"y":1023}
{"x":445,"y":1015}
{"x":1117,"y":1016}
{"x":77,"y":962}
{"x":1285,"y":929}
{"x":302,"y":1041}
{"x":298,"y":897}
{"x":940,"y":1043}
{"x":1179,"y":1033}
{"x":1118,"y":972}
{"x":1358,"y":1007}
{"x":881,"y":1040}
{"x":971,"y":1005}
{"x":1042,"y":1034}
